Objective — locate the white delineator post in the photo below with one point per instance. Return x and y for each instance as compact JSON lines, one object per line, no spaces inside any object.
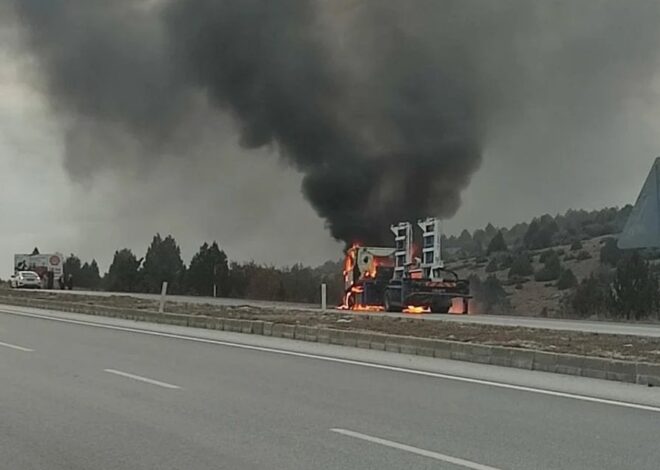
{"x":324,"y":303}
{"x":163,"y":293}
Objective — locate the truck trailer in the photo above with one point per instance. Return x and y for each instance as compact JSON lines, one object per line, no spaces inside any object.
{"x":394,"y":280}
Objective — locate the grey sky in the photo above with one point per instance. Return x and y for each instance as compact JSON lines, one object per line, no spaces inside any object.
{"x":576,"y":133}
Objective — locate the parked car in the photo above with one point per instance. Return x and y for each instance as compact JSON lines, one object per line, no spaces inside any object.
{"x":28,"y":279}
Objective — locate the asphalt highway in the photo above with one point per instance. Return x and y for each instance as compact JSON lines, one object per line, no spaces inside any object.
{"x":81,"y":393}
{"x":602,"y":327}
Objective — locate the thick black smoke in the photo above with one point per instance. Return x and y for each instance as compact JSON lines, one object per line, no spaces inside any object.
{"x":270,"y":65}
{"x":385,"y":106}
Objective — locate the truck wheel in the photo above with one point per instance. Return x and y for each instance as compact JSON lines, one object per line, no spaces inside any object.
{"x":389,"y":306}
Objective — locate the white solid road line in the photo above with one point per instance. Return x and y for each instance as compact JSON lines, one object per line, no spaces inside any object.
{"x":142,"y":379}
{"x":372,"y":365}
{"x":18,"y":348}
{"x":415,"y":450}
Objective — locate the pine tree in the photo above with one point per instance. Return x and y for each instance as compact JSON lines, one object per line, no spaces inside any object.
{"x":72,"y":268}
{"x":123,"y":274}
{"x":634,"y":289}
{"x":208,"y":267}
{"x":162,"y":263}
{"x":497,"y":244}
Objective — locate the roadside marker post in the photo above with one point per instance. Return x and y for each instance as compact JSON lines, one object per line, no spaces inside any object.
{"x":163,"y":293}
{"x":324,"y":303}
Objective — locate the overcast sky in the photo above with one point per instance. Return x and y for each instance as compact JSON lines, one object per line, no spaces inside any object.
{"x":532,"y":165}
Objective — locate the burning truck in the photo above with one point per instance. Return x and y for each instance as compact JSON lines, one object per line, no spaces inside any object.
{"x":395,"y":280}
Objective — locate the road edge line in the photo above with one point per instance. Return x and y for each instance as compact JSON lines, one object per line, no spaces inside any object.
{"x":637,"y":372}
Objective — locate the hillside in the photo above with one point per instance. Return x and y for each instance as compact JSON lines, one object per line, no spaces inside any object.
{"x":531,"y":297}
{"x":539,"y":267}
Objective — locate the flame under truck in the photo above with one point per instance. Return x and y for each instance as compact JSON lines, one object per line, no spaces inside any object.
{"x":393,"y":279}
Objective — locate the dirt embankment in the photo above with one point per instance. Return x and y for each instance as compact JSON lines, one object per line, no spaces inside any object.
{"x":587,"y":344}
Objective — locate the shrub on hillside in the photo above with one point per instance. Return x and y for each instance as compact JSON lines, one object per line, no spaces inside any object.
{"x":610,"y":253}
{"x":506,"y":262}
{"x":492,"y":266}
{"x":521,"y":266}
{"x":566,"y":280}
{"x":583,"y":255}
{"x":634,"y":293}
{"x":489,"y":294}
{"x":576,"y":245}
{"x":540,"y":233}
{"x":596,"y":229}
{"x":546,"y":254}
{"x":550,"y":270}
{"x":631,"y":292}
{"x":591,"y":296}
{"x":503,"y":260}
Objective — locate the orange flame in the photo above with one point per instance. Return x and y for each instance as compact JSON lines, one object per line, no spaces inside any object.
{"x":367,"y":308}
{"x":349,"y":262}
{"x":348,"y":305}
{"x":416,"y":309}
{"x":373,"y":269}
{"x":349,"y":302}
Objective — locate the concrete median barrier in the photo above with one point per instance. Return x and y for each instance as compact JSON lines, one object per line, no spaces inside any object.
{"x":378,"y":345}
{"x":349,"y":339}
{"x":621,"y":371}
{"x":268,"y":328}
{"x":647,"y":374}
{"x":289,"y":331}
{"x":545,"y":361}
{"x":569,"y":364}
{"x":521,"y":358}
{"x":246,"y":326}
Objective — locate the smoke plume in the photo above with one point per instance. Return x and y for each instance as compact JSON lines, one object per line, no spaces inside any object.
{"x":385,"y":106}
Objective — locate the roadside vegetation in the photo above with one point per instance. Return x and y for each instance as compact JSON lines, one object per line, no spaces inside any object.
{"x":566,"y":265}
{"x":208,"y":267}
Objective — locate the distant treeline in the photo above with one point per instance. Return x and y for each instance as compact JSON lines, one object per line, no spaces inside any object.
{"x":209,"y":267}
{"x":541,"y":232}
